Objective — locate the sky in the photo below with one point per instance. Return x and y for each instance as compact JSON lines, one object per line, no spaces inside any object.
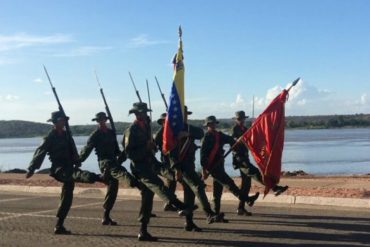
{"x":234,"y":51}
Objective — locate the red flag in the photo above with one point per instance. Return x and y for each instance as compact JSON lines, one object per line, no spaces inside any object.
{"x":265,"y":140}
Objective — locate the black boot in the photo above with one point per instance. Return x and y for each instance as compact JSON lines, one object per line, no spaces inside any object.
{"x":252,"y":199}
{"x":60,"y":229}
{"x":144,"y":234}
{"x":183,"y":210}
{"x":191,"y":226}
{"x":169,"y":207}
{"x":279,"y":189}
{"x":107,"y":221}
{"x":243,"y":211}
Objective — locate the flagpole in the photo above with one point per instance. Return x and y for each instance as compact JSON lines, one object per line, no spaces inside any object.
{"x":241,"y":137}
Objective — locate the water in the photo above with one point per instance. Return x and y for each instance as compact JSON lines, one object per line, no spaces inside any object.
{"x":321,"y":152}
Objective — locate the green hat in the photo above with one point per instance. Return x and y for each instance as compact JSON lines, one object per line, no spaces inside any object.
{"x":162,"y":118}
{"x":186,"y":110}
{"x":240,"y":115}
{"x":57,"y":115}
{"x":210,"y":119}
{"x":100,"y":116}
{"x":139,"y":107}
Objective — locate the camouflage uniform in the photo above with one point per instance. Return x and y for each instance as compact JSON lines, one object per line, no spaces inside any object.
{"x":241,"y":161}
{"x":110,"y":158}
{"x":217,"y":168}
{"x":164,"y":169}
{"x":57,"y":146}
{"x":191,"y":181}
{"x":139,"y":147}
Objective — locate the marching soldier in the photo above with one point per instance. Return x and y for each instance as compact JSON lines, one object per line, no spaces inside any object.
{"x":183,"y":160}
{"x":164,"y":169}
{"x":110,"y":158}
{"x":241,"y":161}
{"x":212,"y":161}
{"x":64,"y":166}
{"x":140,"y":147}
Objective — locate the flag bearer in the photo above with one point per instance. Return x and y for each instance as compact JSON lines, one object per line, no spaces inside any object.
{"x":241,"y":161}
{"x":183,"y":160}
{"x":212,"y":161}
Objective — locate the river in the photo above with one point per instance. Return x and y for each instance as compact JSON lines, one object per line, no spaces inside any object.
{"x":319,"y":152}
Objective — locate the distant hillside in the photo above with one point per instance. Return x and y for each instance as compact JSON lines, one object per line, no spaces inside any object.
{"x":17,"y":128}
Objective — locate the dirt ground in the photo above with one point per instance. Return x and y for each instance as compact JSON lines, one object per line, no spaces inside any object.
{"x":326,"y":186}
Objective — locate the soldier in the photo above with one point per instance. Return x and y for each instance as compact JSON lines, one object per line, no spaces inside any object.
{"x":64,"y":166}
{"x":241,"y":161}
{"x":110,"y":158}
{"x":140,"y":147}
{"x":164,"y":169}
{"x":212,"y":161}
{"x":183,"y":160}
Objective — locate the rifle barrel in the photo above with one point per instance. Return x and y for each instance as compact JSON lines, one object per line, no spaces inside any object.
{"x":162,"y":94}
{"x":110,"y":117}
{"x":133,"y":83}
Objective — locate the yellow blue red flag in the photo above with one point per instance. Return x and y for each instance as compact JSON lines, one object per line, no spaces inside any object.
{"x":175,"y":116}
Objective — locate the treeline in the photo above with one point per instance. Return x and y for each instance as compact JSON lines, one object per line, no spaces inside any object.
{"x":19,"y":129}
{"x":327,"y":122}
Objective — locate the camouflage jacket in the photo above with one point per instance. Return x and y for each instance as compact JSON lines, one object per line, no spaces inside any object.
{"x":135,"y":141}
{"x":208,"y":143}
{"x":240,"y":153}
{"x":188,"y":145}
{"x":57,"y":146}
{"x":105,"y":145}
{"x":158,"y":140}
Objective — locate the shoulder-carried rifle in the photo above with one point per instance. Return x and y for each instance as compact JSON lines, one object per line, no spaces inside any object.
{"x":106,"y":105}
{"x":137,"y":91}
{"x":72,"y":145}
{"x":162,"y":94}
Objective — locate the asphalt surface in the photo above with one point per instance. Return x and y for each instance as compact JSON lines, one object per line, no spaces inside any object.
{"x":28,"y":220}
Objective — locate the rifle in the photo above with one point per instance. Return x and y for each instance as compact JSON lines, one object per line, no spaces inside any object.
{"x":137,"y":91}
{"x":106,"y":105}
{"x":162,"y":94}
{"x":72,"y":145}
{"x":150,"y":104}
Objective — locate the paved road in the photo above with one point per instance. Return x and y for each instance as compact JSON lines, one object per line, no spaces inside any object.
{"x":28,"y":220}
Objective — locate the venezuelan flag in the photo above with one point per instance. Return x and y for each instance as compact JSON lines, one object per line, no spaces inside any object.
{"x":175,"y":116}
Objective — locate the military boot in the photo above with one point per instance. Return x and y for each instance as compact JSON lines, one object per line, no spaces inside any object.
{"x":279,"y":189}
{"x":252,"y":199}
{"x":144,"y":234}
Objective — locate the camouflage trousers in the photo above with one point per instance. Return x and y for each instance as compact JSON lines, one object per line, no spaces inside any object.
{"x":146,"y":174}
{"x":220,"y":180}
{"x":113,"y":173}
{"x":68,"y":176}
{"x":194,"y":187}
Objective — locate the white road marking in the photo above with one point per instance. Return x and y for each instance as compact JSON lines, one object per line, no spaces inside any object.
{"x":36,"y":214}
{"x":19,"y":199}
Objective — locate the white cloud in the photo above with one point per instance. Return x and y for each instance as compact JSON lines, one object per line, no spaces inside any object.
{"x":304,"y":99}
{"x":364,"y":99}
{"x":143,"y":40}
{"x":239,"y":102}
{"x":9,"y":97}
{"x":38,"y":80}
{"x":84,"y":51}
{"x":20,"y":40}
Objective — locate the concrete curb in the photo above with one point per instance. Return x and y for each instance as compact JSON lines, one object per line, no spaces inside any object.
{"x":284,"y":199}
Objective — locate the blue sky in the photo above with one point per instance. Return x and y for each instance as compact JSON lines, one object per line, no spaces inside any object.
{"x":233,"y":50}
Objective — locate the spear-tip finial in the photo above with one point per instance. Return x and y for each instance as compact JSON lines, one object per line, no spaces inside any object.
{"x":180,"y":32}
